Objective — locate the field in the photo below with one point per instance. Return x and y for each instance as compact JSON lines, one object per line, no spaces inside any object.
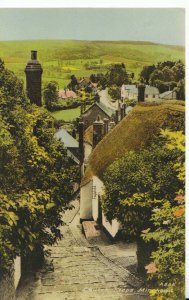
{"x":61,"y":59}
{"x":67,"y":115}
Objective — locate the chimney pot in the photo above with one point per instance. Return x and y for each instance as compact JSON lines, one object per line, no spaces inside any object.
{"x":33,"y":54}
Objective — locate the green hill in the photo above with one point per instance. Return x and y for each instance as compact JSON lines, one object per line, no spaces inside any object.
{"x":62,"y":58}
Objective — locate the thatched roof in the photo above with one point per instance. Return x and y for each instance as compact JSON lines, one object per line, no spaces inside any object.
{"x":135,"y":131}
{"x":88,"y":135}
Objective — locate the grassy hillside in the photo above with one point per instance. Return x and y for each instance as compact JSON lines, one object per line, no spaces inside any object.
{"x":61,"y":59}
{"x":135,"y":131}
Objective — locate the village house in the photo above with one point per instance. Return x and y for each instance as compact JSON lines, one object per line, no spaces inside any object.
{"x":133,"y":132}
{"x":71,"y":145}
{"x":168,"y":95}
{"x":131,"y":92}
{"x":89,"y":115}
{"x":67,"y":94}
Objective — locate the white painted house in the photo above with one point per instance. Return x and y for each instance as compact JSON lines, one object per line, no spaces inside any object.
{"x":131,"y":92}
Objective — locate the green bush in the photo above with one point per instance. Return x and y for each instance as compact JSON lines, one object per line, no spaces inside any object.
{"x":136,"y":183}
{"x":168,"y":233}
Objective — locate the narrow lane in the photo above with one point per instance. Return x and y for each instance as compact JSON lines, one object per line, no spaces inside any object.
{"x":78,"y":271}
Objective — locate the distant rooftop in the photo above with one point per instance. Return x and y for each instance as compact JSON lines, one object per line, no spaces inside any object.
{"x":149,"y":90}
{"x":162,"y":95}
{"x":66,"y":139}
{"x":66,"y":94}
{"x":107,"y":110}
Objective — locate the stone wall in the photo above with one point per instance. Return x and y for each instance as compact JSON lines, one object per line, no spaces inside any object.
{"x":7,"y":288}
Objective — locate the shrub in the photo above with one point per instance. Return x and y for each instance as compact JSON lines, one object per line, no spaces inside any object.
{"x":169,"y":234}
{"x":136,"y":183}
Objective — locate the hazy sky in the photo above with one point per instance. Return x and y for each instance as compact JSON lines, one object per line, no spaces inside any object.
{"x":161,"y":25}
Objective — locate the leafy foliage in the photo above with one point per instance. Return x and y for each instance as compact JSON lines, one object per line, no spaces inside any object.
{"x":137,"y":182}
{"x":169,"y":234}
{"x":166,"y":75}
{"x":117,"y":75}
{"x":115,"y":92}
{"x":145,"y":192}
{"x":50,"y":95}
{"x":36,"y":176}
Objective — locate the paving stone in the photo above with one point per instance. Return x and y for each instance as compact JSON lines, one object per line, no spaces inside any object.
{"x":79,"y":270}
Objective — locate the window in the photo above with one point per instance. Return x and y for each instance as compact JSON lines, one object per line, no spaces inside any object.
{"x":146,"y":95}
{"x":154,"y":96}
{"x":94,"y":191}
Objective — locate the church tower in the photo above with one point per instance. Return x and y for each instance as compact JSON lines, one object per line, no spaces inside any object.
{"x":33,"y":72}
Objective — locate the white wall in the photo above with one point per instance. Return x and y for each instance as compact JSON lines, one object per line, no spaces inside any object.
{"x":112,"y":227}
{"x":17,"y":271}
{"x":89,"y":197}
{"x":150,"y":98}
{"x":87,"y":151}
{"x":98,"y":188}
{"x":86,"y":201}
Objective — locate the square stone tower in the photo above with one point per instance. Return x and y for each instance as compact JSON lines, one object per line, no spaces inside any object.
{"x":34,"y":72}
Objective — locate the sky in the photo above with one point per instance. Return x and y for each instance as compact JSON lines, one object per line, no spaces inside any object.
{"x":159,"y":25}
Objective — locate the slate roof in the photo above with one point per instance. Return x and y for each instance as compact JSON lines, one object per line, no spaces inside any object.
{"x":149,"y":90}
{"x":66,"y":138}
{"x":107,"y":110}
{"x":88,"y":135}
{"x":162,"y":95}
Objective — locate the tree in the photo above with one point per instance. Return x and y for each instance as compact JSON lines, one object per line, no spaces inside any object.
{"x":50,"y":94}
{"x":146,"y":72}
{"x":180,"y":90}
{"x":73,"y":85}
{"x":117,"y":75}
{"x":168,"y":259}
{"x":179,"y":71}
{"x":168,"y":74}
{"x":36,"y":175}
{"x":115,"y":92}
{"x":135,"y":183}
{"x":165,"y":76}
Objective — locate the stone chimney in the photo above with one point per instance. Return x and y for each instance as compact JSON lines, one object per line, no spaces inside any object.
{"x":81,"y":140}
{"x":33,"y":73}
{"x":118,"y":105}
{"x":74,"y":133}
{"x":106,"y":121}
{"x":98,"y":131}
{"x":112,"y":124}
{"x":117,"y":116}
{"x":97,"y":98}
{"x":122,"y":112}
{"x":141,"y":92}
{"x":124,"y":108}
